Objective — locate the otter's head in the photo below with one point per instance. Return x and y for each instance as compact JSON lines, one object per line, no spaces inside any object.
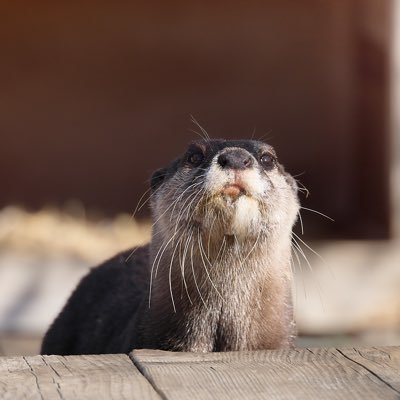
{"x":225,"y":187}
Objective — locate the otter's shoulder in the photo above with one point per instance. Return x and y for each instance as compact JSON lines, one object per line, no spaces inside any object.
{"x":130,"y":265}
{"x":122,"y":275}
{"x":100,"y":305}
{"x":133,"y":261}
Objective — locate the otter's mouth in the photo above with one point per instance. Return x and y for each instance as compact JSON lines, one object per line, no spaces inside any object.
{"x":233,"y":191}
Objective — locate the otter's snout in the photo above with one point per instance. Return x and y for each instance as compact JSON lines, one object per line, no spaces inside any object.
{"x":235,"y":159}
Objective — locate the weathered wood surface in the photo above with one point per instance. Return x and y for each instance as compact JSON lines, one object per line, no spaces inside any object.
{"x":362,"y":373}
{"x":74,"y":377}
{"x":292,"y":374}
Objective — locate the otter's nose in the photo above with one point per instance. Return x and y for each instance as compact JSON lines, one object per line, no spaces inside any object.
{"x":235,"y":159}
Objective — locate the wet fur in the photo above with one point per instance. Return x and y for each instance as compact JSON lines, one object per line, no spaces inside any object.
{"x":215,"y":277}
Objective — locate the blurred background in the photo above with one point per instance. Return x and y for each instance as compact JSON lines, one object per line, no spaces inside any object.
{"x":95,"y":96}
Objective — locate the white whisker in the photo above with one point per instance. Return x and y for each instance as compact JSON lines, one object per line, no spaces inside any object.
{"x":205,"y":133}
{"x":194,"y":275}
{"x":301,"y":223}
{"x":319,"y":213}
{"x":170,"y":275}
{"x":309,"y":248}
{"x":205,"y":267}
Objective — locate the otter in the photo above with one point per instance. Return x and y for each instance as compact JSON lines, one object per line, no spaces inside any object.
{"x":216,"y":275}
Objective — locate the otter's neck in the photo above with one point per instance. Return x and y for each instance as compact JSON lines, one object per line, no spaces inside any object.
{"x":222,"y":295}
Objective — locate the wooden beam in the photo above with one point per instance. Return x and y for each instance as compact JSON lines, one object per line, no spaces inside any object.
{"x":287,"y":374}
{"x":73,"y":377}
{"x":361,"y":373}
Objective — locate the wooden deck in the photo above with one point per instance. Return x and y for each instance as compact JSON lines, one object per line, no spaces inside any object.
{"x":346,"y":373}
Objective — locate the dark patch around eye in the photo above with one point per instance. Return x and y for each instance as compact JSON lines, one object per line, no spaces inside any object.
{"x":195,"y":155}
{"x":196,"y":159}
{"x":267,"y":161}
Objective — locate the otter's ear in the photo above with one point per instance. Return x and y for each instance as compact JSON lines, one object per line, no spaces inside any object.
{"x":158,"y":178}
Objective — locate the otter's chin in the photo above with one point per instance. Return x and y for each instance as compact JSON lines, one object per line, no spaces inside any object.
{"x":246,"y":216}
{"x":236,"y":215}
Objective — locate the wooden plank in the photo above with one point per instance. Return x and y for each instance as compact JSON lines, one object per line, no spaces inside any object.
{"x":290,"y":374}
{"x":384,"y":362}
{"x":73,"y":377}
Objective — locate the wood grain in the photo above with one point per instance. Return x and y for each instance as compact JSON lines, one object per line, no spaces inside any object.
{"x":352,"y":373}
{"x":290,"y":374}
{"x":384,"y":362}
{"x":72,"y":377}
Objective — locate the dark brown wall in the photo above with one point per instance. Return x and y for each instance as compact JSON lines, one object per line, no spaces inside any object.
{"x":95,"y":95}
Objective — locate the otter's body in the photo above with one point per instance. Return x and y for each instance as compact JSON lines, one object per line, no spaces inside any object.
{"x":216,"y":275}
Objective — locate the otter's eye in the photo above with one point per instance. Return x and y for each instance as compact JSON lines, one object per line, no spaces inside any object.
{"x":267,"y":161}
{"x":196,"y":159}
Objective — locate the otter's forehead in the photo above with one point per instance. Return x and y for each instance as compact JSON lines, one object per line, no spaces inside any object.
{"x":214,"y":146}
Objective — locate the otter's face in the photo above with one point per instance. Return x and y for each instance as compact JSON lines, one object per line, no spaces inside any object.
{"x":226,"y":187}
